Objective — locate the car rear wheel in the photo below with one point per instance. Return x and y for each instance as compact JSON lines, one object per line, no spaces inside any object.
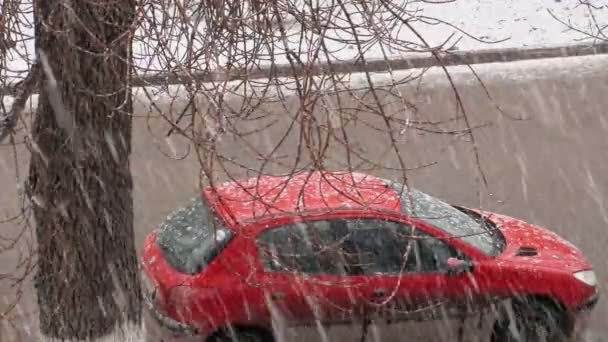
{"x":242,"y":335}
{"x":530,"y":320}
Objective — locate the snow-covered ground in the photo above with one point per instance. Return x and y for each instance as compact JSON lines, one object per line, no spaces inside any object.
{"x":526,"y":23}
{"x":475,"y":24}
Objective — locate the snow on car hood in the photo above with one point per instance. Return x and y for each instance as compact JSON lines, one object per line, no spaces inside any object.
{"x":551,"y":249}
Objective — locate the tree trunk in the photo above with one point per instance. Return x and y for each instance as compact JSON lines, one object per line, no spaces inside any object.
{"x":80,"y":182}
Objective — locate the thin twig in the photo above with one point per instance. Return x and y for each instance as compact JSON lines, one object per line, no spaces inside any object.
{"x":24,"y":91}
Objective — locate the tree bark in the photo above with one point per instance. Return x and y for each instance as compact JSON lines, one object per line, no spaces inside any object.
{"x":80,"y":183}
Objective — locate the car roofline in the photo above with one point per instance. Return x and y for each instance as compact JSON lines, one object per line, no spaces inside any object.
{"x":319,"y":211}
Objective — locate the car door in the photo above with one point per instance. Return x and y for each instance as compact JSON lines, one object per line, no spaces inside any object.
{"x":304,"y":275}
{"x":468,"y":312}
{"x":410,"y":289}
{"x":284,"y":279}
{"x":455,"y":293}
{"x":397,"y":297}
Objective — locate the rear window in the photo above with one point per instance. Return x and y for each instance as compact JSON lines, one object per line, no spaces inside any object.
{"x":191,"y":237}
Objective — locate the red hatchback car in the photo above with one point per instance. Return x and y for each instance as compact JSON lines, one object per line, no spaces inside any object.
{"x":249,"y":258}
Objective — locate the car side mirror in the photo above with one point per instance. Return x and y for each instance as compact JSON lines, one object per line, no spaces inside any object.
{"x":458,"y":266}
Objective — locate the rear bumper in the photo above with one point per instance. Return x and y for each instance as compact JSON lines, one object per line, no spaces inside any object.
{"x":160,"y":327}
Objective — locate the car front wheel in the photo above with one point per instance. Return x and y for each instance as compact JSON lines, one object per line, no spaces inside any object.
{"x":530,"y":320}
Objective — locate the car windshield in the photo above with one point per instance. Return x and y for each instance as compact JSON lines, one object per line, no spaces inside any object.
{"x":448,"y":218}
{"x":191,"y":237}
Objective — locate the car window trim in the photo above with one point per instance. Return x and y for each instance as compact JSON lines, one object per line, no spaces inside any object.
{"x":274,"y":221}
{"x":395,"y":217}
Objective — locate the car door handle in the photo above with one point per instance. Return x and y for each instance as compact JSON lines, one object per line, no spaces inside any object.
{"x":379,"y":292}
{"x":277,"y":295}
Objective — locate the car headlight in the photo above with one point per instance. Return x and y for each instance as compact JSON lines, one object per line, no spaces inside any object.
{"x":588,"y":277}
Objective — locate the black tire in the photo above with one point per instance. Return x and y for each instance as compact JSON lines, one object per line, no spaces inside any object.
{"x":242,"y":335}
{"x":531,"y":320}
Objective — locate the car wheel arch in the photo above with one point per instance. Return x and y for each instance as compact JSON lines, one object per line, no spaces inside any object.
{"x":221,"y":333}
{"x":543,"y":301}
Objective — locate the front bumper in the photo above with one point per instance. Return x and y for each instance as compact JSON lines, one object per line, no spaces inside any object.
{"x":581,"y":316}
{"x":590,"y":303}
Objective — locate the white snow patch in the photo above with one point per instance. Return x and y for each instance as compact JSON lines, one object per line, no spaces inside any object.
{"x":508,"y":24}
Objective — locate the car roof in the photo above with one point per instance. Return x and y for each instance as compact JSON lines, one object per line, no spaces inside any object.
{"x":252,"y":199}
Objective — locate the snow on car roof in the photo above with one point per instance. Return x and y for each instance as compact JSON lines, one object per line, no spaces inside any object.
{"x":317,"y":191}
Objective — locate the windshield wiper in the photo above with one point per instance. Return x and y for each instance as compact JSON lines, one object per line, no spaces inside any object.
{"x":487,"y":225}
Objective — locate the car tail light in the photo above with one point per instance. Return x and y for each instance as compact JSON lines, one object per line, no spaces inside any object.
{"x":148,"y":285}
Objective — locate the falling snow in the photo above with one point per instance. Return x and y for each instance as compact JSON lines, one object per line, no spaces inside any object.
{"x":552,"y":173}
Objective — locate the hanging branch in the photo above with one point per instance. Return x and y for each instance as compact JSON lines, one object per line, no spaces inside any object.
{"x":23,"y":92}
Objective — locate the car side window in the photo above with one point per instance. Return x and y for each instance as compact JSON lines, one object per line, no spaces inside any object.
{"x":311,"y":248}
{"x":383,"y":247}
{"x":434,"y":253}
{"x":352,"y":247}
{"x":389,"y":247}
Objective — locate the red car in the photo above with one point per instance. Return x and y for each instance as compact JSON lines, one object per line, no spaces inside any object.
{"x":250,"y":258}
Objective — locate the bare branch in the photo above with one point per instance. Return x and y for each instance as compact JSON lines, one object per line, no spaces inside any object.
{"x":24,"y":91}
